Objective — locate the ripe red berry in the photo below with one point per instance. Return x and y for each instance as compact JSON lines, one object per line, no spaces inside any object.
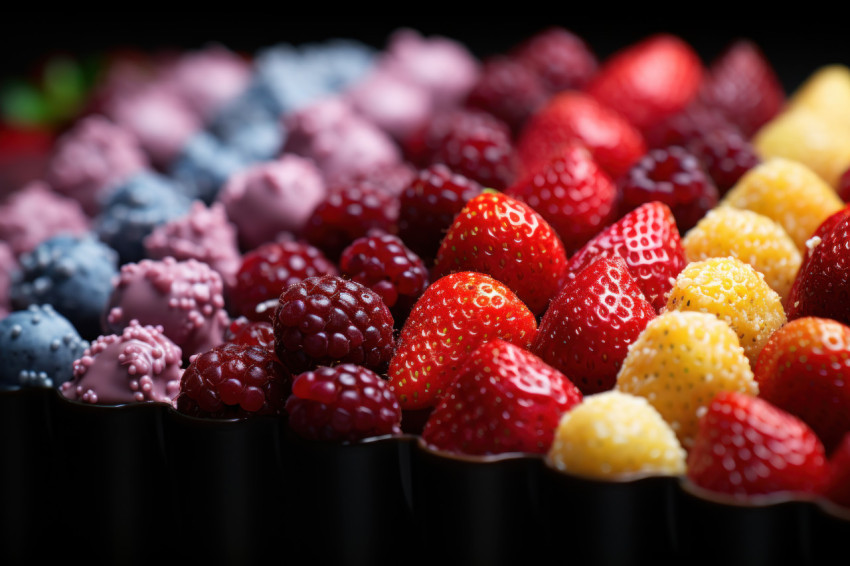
{"x":269,"y":269}
{"x":726,"y":154}
{"x":250,"y":332}
{"x":428,"y":206}
{"x":482,"y":150}
{"x":342,"y":403}
{"x":234,"y":381}
{"x":347,"y":213}
{"x":507,"y":89}
{"x":559,"y":57}
{"x":674,"y":176}
{"x":328,"y":320}
{"x":384,"y":264}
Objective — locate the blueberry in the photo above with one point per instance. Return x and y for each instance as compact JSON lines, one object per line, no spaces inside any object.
{"x":205,"y":164}
{"x":135,"y":208}
{"x":73,"y":273}
{"x":39,"y":348}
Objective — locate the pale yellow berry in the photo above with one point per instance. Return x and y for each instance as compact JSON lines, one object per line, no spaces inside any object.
{"x":827,"y":92}
{"x":812,"y":138}
{"x":788,"y":192}
{"x":614,"y":435}
{"x":734,"y":292}
{"x":679,"y":362}
{"x":749,"y":236}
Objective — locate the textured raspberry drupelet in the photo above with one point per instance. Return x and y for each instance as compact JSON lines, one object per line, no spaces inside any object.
{"x":347,"y":402}
{"x":726,"y":155}
{"x":250,"y":332}
{"x":428,"y":205}
{"x":347,"y":213}
{"x":266,"y":271}
{"x":508,"y":89}
{"x":482,"y":150}
{"x":674,"y":176}
{"x":328,"y":320}
{"x":384,"y":264}
{"x":234,"y":381}
{"x":561,"y":59}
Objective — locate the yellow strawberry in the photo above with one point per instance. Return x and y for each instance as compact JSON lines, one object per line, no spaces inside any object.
{"x":749,"y":236}
{"x":788,"y":192}
{"x":734,"y":292}
{"x":614,"y":435}
{"x":679,"y":362}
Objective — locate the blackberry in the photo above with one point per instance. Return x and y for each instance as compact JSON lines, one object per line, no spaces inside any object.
{"x":329,"y":320}
{"x":233,"y":381}
{"x":343,"y":403}
{"x":384,"y":264}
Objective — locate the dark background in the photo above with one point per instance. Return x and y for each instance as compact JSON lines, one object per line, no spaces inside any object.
{"x":795,"y":48}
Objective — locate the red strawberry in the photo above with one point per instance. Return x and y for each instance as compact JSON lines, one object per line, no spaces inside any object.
{"x":804,"y":368}
{"x":838,"y":486}
{"x":559,"y":57}
{"x":648,"y":239}
{"x":453,"y":316}
{"x":502,"y":399}
{"x":743,"y":85}
{"x":575,"y":116}
{"x":588,"y":327}
{"x":747,"y":446}
{"x":822,"y":285}
{"x":572,"y":193}
{"x":505,"y":238}
{"x":650,"y":80}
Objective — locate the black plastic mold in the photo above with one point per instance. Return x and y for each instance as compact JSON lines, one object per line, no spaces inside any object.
{"x":142,"y":484}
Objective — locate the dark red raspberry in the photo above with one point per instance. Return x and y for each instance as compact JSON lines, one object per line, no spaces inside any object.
{"x":242,"y":330}
{"x":384,"y":264}
{"x":481,"y":150}
{"x":428,"y":206}
{"x":392,"y":178}
{"x":267,"y":270}
{"x":234,"y":381}
{"x":349,"y":212}
{"x":726,"y":154}
{"x":742,"y":83}
{"x":693,"y":121}
{"x":675,"y":177}
{"x":329,"y":320}
{"x":559,"y":57}
{"x":421,"y":145}
{"x":507,"y":89}
{"x":344,"y":403}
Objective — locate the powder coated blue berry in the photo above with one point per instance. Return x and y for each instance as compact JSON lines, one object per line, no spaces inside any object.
{"x":135,"y":208}
{"x":73,"y":274}
{"x":38,"y":348}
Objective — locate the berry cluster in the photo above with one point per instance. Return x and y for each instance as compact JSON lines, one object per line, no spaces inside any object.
{"x":521,"y":252}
